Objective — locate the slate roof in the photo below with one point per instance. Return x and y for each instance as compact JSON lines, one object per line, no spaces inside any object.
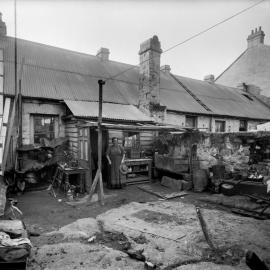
{"x":60,"y":74}
{"x":110,"y":111}
{"x":251,"y":67}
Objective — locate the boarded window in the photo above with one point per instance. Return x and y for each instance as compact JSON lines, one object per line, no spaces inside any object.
{"x":191,"y":121}
{"x":44,"y":127}
{"x":220,"y":126}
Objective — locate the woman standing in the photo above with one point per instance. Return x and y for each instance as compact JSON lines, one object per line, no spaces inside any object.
{"x":115,"y":156}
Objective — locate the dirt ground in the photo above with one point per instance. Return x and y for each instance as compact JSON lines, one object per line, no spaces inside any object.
{"x":133,"y":227}
{"x":43,"y":212}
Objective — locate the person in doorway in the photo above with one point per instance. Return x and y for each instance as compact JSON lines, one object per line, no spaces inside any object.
{"x":115,"y":156}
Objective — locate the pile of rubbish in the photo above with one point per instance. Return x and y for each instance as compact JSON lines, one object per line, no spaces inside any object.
{"x":15,"y":246}
{"x":36,"y":163}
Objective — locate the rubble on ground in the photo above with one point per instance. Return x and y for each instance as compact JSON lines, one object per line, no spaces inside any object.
{"x":166,"y":234}
{"x":80,"y":229}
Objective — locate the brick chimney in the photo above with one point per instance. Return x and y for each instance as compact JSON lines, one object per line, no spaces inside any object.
{"x":149,"y":81}
{"x":256,"y":37}
{"x":103,"y":54}
{"x":209,"y":78}
{"x":3,"y":28}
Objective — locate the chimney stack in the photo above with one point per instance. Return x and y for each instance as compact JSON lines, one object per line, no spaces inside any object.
{"x":103,"y":54}
{"x":150,"y":51}
{"x":256,"y":37}
{"x":166,"y":69}
{"x":3,"y":27}
{"x":149,"y":79}
{"x":209,"y":78}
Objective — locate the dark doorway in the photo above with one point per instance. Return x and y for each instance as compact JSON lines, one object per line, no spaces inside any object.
{"x":94,"y":147}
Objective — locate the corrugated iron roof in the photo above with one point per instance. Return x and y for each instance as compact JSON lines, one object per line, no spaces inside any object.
{"x":225,"y":100}
{"x":110,"y":111}
{"x":60,"y":74}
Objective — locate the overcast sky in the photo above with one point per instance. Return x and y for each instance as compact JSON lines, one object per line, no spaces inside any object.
{"x":121,"y":26}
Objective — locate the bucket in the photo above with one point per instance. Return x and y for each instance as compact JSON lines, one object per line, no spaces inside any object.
{"x":200,"y":180}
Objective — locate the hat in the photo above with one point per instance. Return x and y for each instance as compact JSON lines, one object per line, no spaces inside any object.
{"x":123,"y":168}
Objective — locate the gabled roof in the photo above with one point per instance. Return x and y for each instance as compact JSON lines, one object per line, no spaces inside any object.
{"x":251,"y":67}
{"x":59,"y":74}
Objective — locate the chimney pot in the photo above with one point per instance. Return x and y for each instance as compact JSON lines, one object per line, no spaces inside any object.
{"x":209,"y":78}
{"x":103,"y":54}
{"x":242,"y":86}
{"x":256,"y":37}
{"x":166,"y":69}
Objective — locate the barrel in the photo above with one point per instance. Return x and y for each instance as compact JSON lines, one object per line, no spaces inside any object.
{"x":200,"y":180}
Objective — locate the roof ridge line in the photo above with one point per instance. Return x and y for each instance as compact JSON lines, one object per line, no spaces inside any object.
{"x":192,"y":94}
{"x":69,"y":50}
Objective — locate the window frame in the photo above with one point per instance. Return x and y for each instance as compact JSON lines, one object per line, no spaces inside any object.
{"x":55,"y":123}
{"x":220,"y":121}
{"x":129,"y":134}
{"x":245,"y":125}
{"x":83,"y":143}
{"x":195,"y":119}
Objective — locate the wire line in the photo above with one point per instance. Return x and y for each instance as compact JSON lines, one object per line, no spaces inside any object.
{"x":190,"y":38}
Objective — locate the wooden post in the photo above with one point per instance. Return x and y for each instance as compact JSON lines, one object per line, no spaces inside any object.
{"x":100,"y":100}
{"x":98,"y":177}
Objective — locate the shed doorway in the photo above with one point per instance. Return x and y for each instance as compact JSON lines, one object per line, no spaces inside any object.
{"x":94,"y":147}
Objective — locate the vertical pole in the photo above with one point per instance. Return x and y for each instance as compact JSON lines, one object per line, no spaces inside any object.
{"x":98,"y":176}
{"x":100,"y":101}
{"x":20,"y":110}
{"x":15,"y":47}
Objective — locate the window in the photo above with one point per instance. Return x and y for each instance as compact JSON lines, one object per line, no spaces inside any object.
{"x":132,"y":144}
{"x":44,"y":127}
{"x":243,"y":125}
{"x":219,"y":126}
{"x":83,"y":143}
{"x":131,"y":139}
{"x":191,"y":121}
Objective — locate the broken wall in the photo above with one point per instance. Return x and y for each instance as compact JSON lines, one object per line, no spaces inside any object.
{"x":228,"y":150}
